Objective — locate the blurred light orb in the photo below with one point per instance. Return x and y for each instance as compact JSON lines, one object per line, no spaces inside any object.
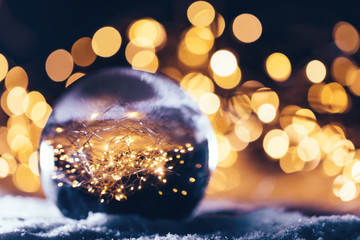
{"x":342,"y":69}
{"x":201,"y":13}
{"x":223,"y":63}
{"x":16,"y":77}
{"x":247,"y":28}
{"x":4,"y":168}
{"x":73,"y":78}
{"x":218,"y":26}
{"x":276,"y":143}
{"x":148,"y":139}
{"x":228,"y":82}
{"x":315,"y":71}
{"x":16,"y":100}
{"x":199,"y":40}
{"x":146,"y":31}
{"x":25,"y":180}
{"x":278,"y":67}
{"x":145,"y":60}
{"x":346,"y":37}
{"x":82,"y":52}
{"x":59,"y":65}
{"x":106,"y":42}
{"x":4,"y":67}
{"x":266,"y":113}
{"x":209,"y":103}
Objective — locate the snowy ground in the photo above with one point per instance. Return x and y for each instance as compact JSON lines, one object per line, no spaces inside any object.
{"x":31,"y":218}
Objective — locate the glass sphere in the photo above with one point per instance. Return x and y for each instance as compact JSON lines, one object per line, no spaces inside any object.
{"x":123,"y":141}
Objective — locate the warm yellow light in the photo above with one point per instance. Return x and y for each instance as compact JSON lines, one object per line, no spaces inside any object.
{"x":32,"y":98}
{"x":223,"y":63}
{"x":73,"y":78}
{"x":197,"y":84}
{"x":263,"y":96}
{"x":251,"y":126}
{"x":239,"y":139}
{"x":132,"y":49}
{"x":278,"y":67}
{"x":209,"y":103}
{"x":266,"y":113}
{"x":191,"y":59}
{"x":315,"y":71}
{"x":16,"y":77}
{"x":106,"y":42}
{"x":218,"y":26}
{"x":290,"y":162}
{"x":25,"y":180}
{"x":343,"y":152}
{"x":59,"y":65}
{"x":346,"y":37}
{"x":16,"y":100}
{"x":287,"y":114}
{"x":34,"y":163}
{"x":228,"y":82}
{"x":276,"y":143}
{"x":82,"y":52}
{"x":145,"y":60}
{"x":11,"y":162}
{"x":308,"y":149}
{"x":38,"y":111}
{"x":224,"y":147}
{"x":334,"y":98}
{"x":341,"y":70}
{"x":354,"y":82}
{"x":4,"y":168}
{"x":199,"y":40}
{"x":146,"y":31}
{"x":306,"y":118}
{"x":349,"y":191}
{"x":4,"y":67}
{"x":330,"y":168}
{"x":247,"y":28}
{"x":201,"y":13}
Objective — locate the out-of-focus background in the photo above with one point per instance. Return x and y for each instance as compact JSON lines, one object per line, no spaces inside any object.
{"x":279,"y":81}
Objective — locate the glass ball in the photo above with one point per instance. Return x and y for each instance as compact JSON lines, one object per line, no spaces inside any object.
{"x":122,"y":141}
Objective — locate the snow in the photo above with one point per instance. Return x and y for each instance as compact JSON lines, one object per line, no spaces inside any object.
{"x":32,"y":218}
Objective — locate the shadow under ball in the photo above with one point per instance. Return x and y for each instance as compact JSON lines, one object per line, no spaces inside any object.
{"x":122,"y":141}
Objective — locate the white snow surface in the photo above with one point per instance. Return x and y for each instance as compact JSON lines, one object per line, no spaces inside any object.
{"x":33,"y":218}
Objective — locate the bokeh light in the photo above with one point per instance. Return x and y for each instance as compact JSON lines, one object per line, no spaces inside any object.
{"x":59,"y":65}
{"x":4,"y":67}
{"x":209,"y":103}
{"x":82,"y":52}
{"x":16,"y":77}
{"x":247,"y":28}
{"x":201,"y":13}
{"x":106,"y":42}
{"x":346,"y":37}
{"x":276,"y":143}
{"x":73,"y":78}
{"x":315,"y":71}
{"x":278,"y":67}
{"x":223,"y":63}
{"x":146,"y":31}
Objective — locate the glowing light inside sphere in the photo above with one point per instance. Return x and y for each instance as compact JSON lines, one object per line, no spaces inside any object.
{"x":120,"y":146}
